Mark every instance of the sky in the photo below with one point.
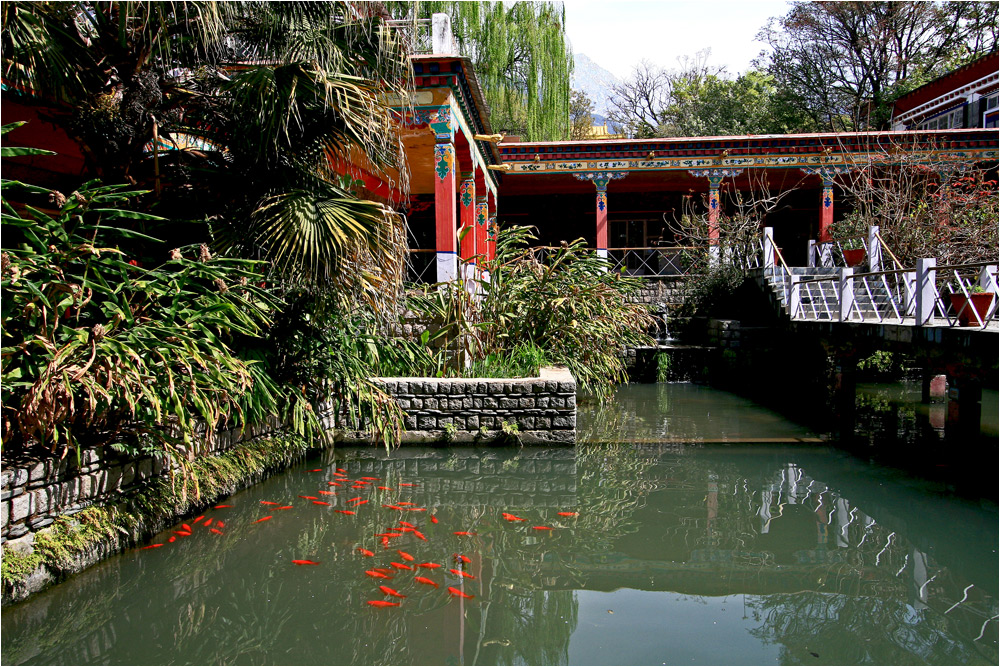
(617, 34)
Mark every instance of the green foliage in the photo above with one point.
(520, 56)
(714, 105)
(699, 99)
(96, 347)
(571, 307)
(882, 365)
(844, 63)
(581, 115)
(257, 149)
(664, 367)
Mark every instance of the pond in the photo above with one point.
(692, 527)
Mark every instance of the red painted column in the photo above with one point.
(602, 216)
(491, 227)
(714, 182)
(444, 211)
(482, 216)
(467, 215)
(826, 214)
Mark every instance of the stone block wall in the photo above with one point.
(475, 409)
(724, 333)
(36, 491)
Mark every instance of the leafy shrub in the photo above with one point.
(96, 347)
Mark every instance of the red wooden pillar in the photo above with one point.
(467, 215)
(714, 183)
(491, 227)
(482, 216)
(715, 178)
(826, 215)
(600, 179)
(444, 211)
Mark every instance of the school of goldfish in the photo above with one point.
(401, 530)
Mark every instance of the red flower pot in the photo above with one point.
(978, 302)
(854, 257)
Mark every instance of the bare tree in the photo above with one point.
(923, 205)
(846, 61)
(742, 216)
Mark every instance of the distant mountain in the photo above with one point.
(595, 81)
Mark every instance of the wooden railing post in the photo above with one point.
(845, 288)
(926, 290)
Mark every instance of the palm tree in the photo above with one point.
(264, 103)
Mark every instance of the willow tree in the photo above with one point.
(521, 56)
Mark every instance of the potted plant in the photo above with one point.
(849, 234)
(978, 302)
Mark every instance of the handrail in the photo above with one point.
(885, 246)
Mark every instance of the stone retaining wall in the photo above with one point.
(36, 491)
(476, 409)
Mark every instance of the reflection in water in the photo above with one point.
(697, 553)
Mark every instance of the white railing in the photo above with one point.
(923, 297)
(852, 251)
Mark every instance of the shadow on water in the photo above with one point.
(682, 548)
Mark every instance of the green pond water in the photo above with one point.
(706, 530)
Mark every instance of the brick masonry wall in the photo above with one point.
(475, 409)
(35, 491)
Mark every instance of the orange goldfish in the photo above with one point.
(405, 556)
(215, 530)
(382, 603)
(267, 518)
(434, 519)
(377, 575)
(401, 566)
(425, 580)
(365, 552)
(542, 528)
(389, 591)
(568, 513)
(305, 562)
(466, 533)
(463, 559)
(320, 502)
(458, 593)
(429, 566)
(267, 502)
(459, 573)
(343, 511)
(221, 506)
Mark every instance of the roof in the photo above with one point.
(964, 75)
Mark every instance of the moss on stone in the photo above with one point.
(117, 524)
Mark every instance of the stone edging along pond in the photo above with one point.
(60, 517)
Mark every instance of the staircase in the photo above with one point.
(820, 300)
